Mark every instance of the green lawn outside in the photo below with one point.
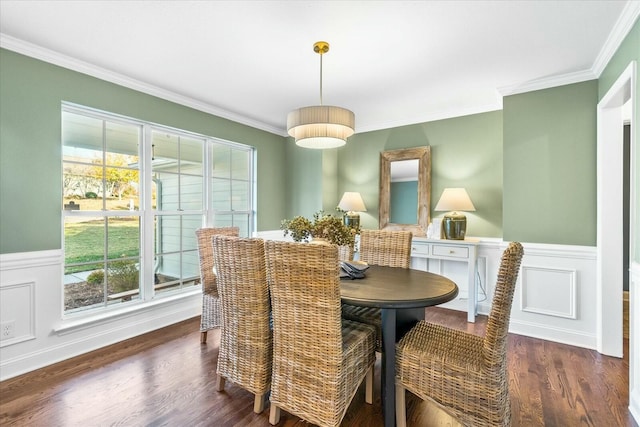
(84, 241)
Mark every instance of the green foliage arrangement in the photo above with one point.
(324, 226)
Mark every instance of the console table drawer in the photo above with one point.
(451, 251)
(417, 250)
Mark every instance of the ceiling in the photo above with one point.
(391, 62)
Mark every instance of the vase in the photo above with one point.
(319, 241)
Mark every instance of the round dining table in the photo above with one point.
(402, 295)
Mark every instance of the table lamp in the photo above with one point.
(352, 203)
(454, 223)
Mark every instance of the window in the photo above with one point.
(177, 176)
(231, 184)
(133, 195)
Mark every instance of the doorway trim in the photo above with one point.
(609, 213)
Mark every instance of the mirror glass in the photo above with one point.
(405, 190)
(403, 200)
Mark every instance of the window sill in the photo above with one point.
(75, 323)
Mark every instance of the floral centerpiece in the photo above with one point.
(324, 226)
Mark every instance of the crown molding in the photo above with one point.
(547, 82)
(621, 28)
(623, 25)
(56, 58)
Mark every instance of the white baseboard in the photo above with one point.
(559, 335)
(98, 338)
(54, 340)
(634, 404)
(31, 295)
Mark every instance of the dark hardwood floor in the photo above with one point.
(167, 378)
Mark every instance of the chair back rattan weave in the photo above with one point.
(210, 317)
(495, 339)
(345, 253)
(205, 253)
(464, 373)
(245, 337)
(318, 361)
(386, 248)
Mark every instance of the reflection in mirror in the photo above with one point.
(396, 212)
(403, 207)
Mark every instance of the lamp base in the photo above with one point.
(454, 226)
(351, 220)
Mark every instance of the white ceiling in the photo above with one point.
(391, 62)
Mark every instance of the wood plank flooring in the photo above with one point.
(167, 378)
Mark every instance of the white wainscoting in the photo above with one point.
(555, 296)
(555, 300)
(17, 305)
(31, 297)
(550, 291)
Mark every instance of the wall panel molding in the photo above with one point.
(549, 291)
(17, 304)
(44, 269)
(31, 294)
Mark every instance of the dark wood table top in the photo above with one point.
(394, 287)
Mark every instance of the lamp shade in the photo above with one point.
(321, 126)
(454, 199)
(352, 202)
(454, 224)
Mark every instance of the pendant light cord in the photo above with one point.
(321, 77)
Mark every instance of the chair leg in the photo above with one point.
(258, 403)
(401, 406)
(203, 337)
(274, 415)
(368, 395)
(220, 383)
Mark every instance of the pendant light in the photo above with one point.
(321, 126)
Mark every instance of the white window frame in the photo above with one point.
(147, 214)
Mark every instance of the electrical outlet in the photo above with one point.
(7, 330)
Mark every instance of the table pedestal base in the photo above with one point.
(395, 323)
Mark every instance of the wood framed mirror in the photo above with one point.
(417, 160)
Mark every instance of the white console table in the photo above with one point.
(453, 250)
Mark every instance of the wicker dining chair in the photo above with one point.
(464, 373)
(345, 253)
(319, 359)
(210, 317)
(385, 248)
(244, 357)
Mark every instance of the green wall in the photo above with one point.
(530, 169)
(30, 152)
(550, 165)
(304, 182)
(629, 50)
(465, 152)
